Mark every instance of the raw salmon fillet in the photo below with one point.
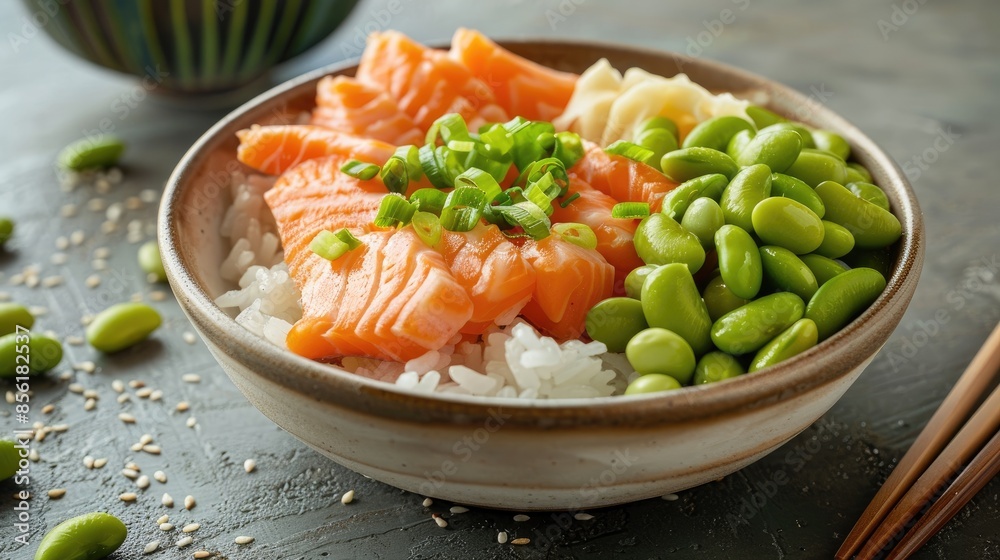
(275, 149)
(522, 87)
(621, 178)
(347, 105)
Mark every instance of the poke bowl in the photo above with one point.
(503, 449)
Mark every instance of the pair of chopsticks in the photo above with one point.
(932, 461)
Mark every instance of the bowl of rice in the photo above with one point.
(518, 420)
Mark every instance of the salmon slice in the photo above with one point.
(347, 105)
(495, 275)
(522, 87)
(621, 178)
(275, 149)
(426, 83)
(569, 280)
(614, 235)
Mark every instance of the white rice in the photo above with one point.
(511, 362)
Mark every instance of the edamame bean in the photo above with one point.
(796, 339)
(750, 327)
(657, 350)
(842, 298)
(787, 271)
(870, 192)
(788, 223)
(676, 202)
(25, 353)
(748, 188)
(9, 459)
(660, 122)
(715, 132)
(670, 300)
(814, 166)
(795, 189)
(831, 142)
(871, 226)
(866, 175)
(86, 153)
(739, 261)
(719, 299)
(652, 383)
(688, 163)
(822, 267)
(615, 321)
(635, 279)
(762, 117)
(13, 315)
(703, 218)
(122, 325)
(777, 149)
(87, 537)
(716, 366)
(837, 241)
(661, 240)
(150, 263)
(804, 132)
(738, 142)
(659, 140)
(875, 259)
(6, 230)
(853, 176)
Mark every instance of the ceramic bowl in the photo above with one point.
(527, 455)
(187, 46)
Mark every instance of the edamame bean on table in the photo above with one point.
(86, 537)
(122, 325)
(6, 230)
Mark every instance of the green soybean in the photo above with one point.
(670, 300)
(13, 315)
(716, 366)
(122, 325)
(789, 224)
(861, 170)
(738, 142)
(688, 163)
(615, 321)
(150, 262)
(747, 189)
(739, 261)
(87, 537)
(842, 298)
(719, 299)
(822, 267)
(837, 241)
(871, 226)
(657, 350)
(853, 176)
(763, 117)
(661, 240)
(703, 218)
(750, 327)
(777, 149)
(796, 339)
(831, 142)
(659, 140)
(652, 383)
(815, 166)
(636, 278)
(715, 132)
(796, 189)
(6, 229)
(876, 259)
(9, 459)
(869, 192)
(676, 202)
(39, 352)
(786, 271)
(660, 122)
(804, 132)
(87, 153)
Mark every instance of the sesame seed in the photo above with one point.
(167, 500)
(38, 310)
(428, 502)
(152, 449)
(91, 394)
(348, 497)
(92, 281)
(130, 473)
(74, 340)
(458, 509)
(521, 541)
(108, 226)
(151, 547)
(243, 540)
(191, 422)
(31, 282)
(59, 258)
(583, 517)
(95, 204)
(34, 456)
(114, 211)
(191, 378)
(47, 409)
(160, 476)
(57, 493)
(126, 417)
(156, 395)
(189, 337)
(76, 388)
(16, 279)
(166, 526)
(59, 428)
(77, 237)
(133, 203)
(133, 466)
(102, 253)
(142, 482)
(128, 497)
(157, 295)
(86, 319)
(521, 518)
(146, 438)
(669, 497)
(118, 386)
(10, 397)
(441, 522)
(202, 554)
(136, 384)
(100, 264)
(88, 366)
(147, 195)
(62, 242)
(163, 519)
(66, 375)
(191, 527)
(90, 404)
(68, 210)
(249, 465)
(51, 281)
(89, 461)
(123, 398)
(502, 537)
(186, 541)
(183, 406)
(40, 436)
(189, 502)
(99, 463)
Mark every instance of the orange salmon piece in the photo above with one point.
(621, 178)
(275, 149)
(347, 105)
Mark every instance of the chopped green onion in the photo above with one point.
(481, 180)
(428, 227)
(395, 175)
(529, 216)
(433, 166)
(346, 236)
(429, 200)
(498, 141)
(632, 151)
(410, 155)
(525, 133)
(463, 209)
(577, 234)
(537, 194)
(497, 165)
(466, 196)
(546, 141)
(450, 127)
(568, 148)
(394, 210)
(328, 245)
(566, 201)
(537, 170)
(630, 210)
(461, 145)
(359, 169)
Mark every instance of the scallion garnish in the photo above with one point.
(395, 175)
(528, 216)
(394, 210)
(329, 245)
(429, 200)
(463, 209)
(432, 166)
(577, 234)
(359, 169)
(569, 199)
(632, 151)
(630, 210)
(481, 180)
(568, 148)
(428, 227)
(346, 236)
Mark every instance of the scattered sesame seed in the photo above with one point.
(189, 337)
(186, 541)
(458, 509)
(92, 281)
(87, 366)
(583, 517)
(102, 253)
(521, 518)
(243, 540)
(202, 554)
(59, 428)
(163, 519)
(142, 482)
(191, 378)
(114, 211)
(118, 386)
(114, 175)
(191, 422)
(34, 456)
(157, 295)
(428, 502)
(100, 264)
(66, 375)
(128, 497)
(502, 537)
(669, 497)
(156, 395)
(68, 210)
(47, 409)
(76, 388)
(99, 463)
(59, 258)
(189, 502)
(441, 522)
(167, 500)
(130, 473)
(126, 417)
(86, 319)
(146, 438)
(89, 461)
(191, 527)
(95, 204)
(77, 237)
(74, 340)
(31, 281)
(133, 203)
(183, 406)
(38, 310)
(152, 449)
(108, 227)
(90, 404)
(136, 384)
(160, 476)
(249, 465)
(166, 526)
(10, 397)
(123, 398)
(51, 281)
(147, 195)
(521, 541)
(348, 497)
(144, 392)
(62, 243)
(16, 279)
(91, 394)
(151, 547)
(133, 466)
(102, 186)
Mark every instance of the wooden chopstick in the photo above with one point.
(980, 471)
(969, 440)
(942, 426)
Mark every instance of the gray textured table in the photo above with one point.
(919, 78)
